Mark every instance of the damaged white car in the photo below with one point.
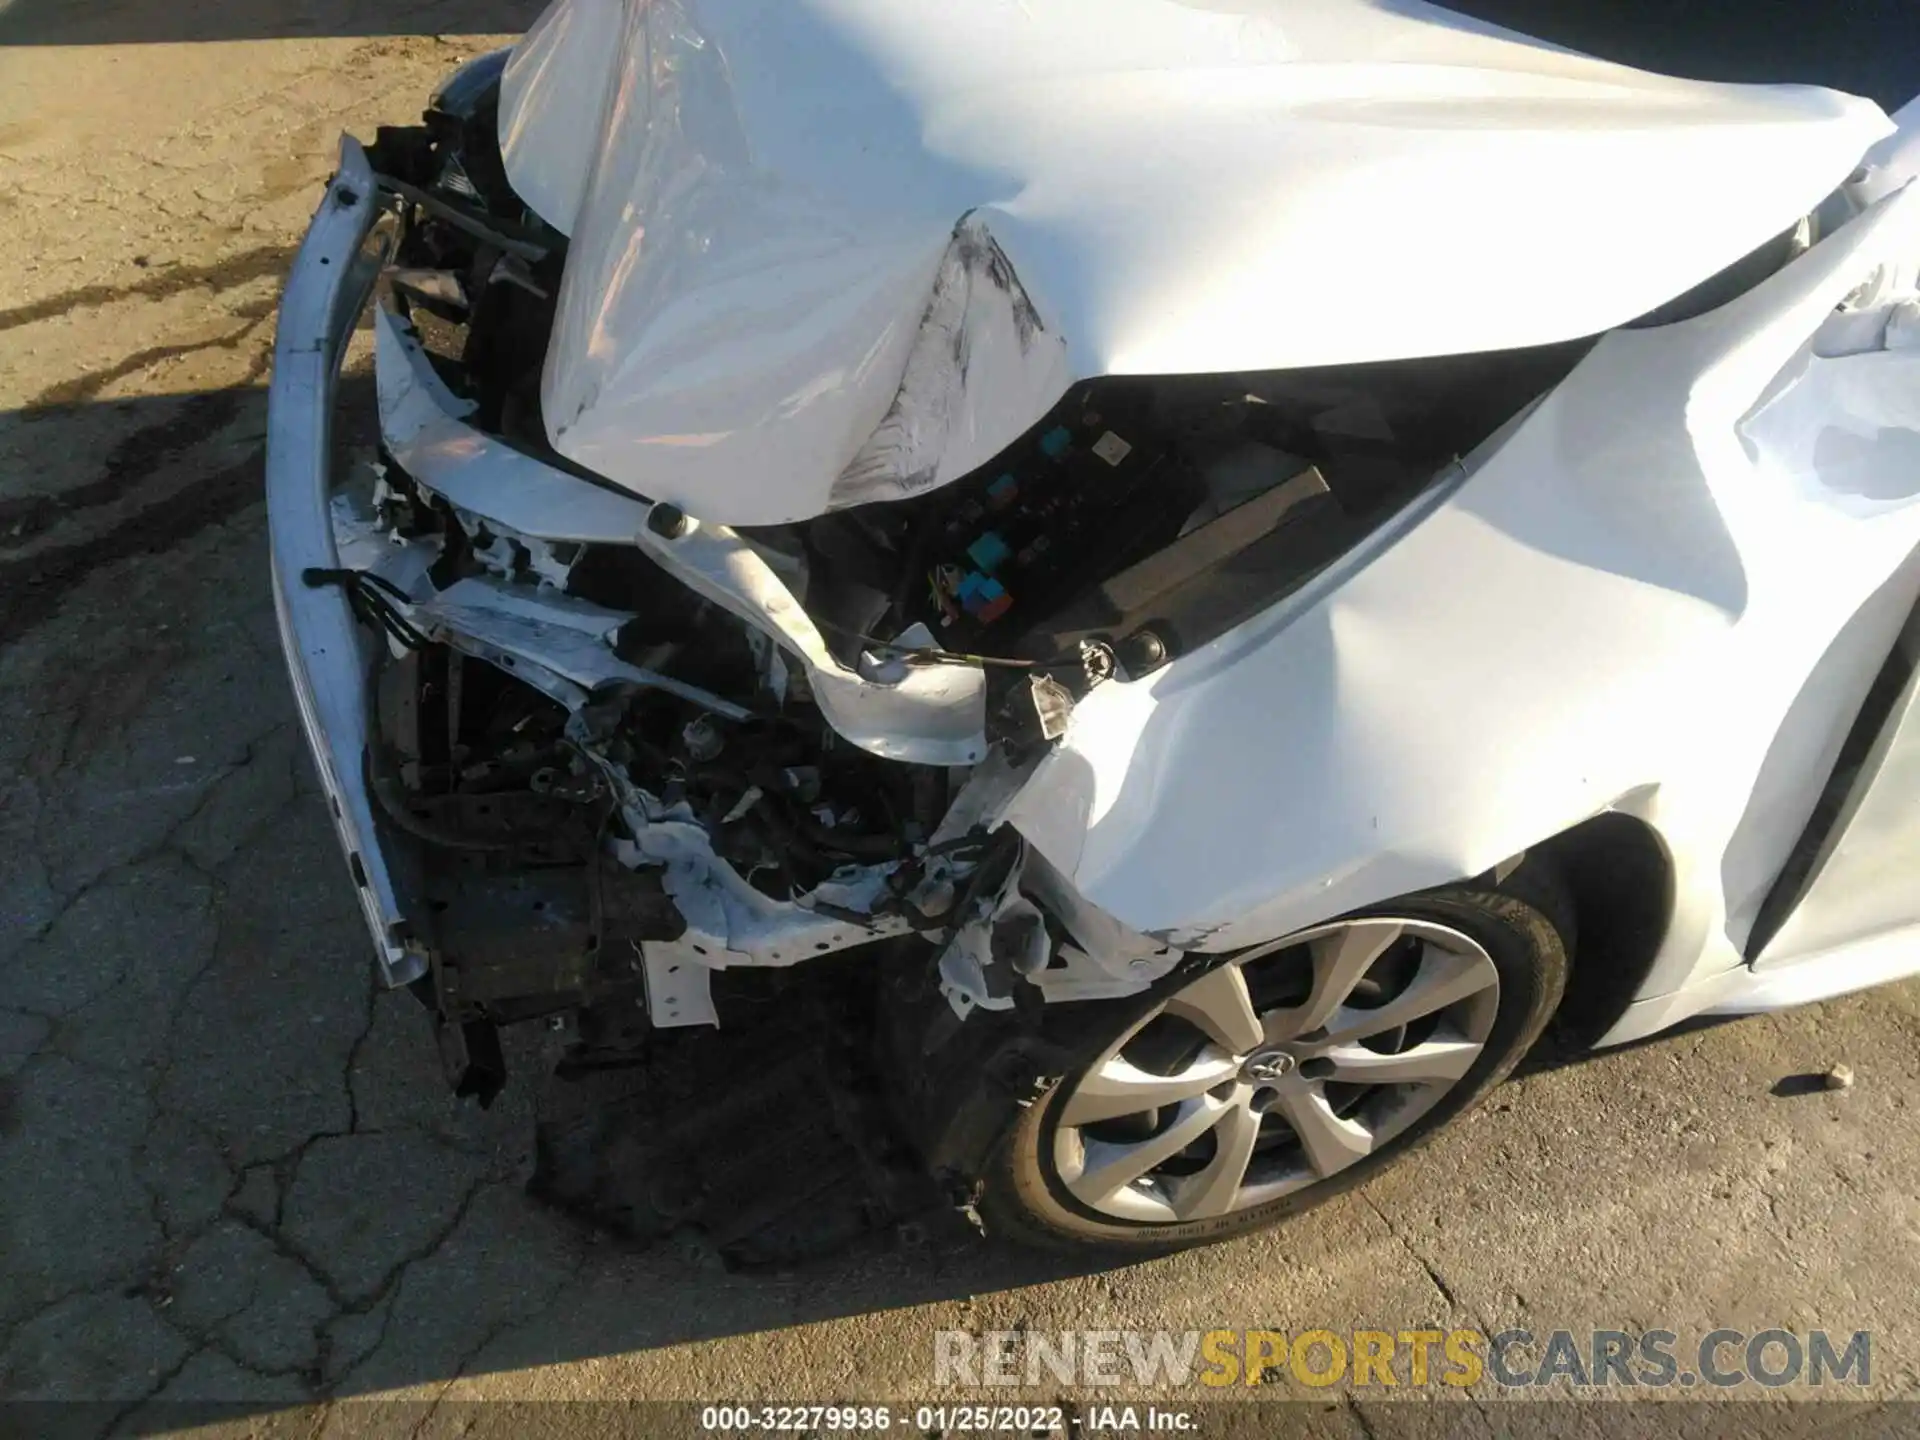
(1198, 568)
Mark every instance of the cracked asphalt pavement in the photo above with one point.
(228, 1167)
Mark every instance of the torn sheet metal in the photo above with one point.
(512, 555)
(1000, 944)
(730, 923)
(364, 541)
(1007, 939)
(560, 645)
(1107, 957)
(762, 310)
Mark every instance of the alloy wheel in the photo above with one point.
(1276, 1070)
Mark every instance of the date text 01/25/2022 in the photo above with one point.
(943, 1419)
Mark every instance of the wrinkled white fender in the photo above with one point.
(830, 251)
(1665, 589)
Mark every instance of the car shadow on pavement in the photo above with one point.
(1560, 1046)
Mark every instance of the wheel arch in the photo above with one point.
(1619, 878)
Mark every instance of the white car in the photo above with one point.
(1204, 566)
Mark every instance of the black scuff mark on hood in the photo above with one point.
(904, 455)
(980, 254)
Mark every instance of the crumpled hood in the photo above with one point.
(832, 251)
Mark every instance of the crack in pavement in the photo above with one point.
(165, 843)
(1440, 1285)
(1433, 1276)
(112, 1285)
(432, 1243)
(494, 1332)
(219, 1344)
(149, 1277)
(287, 1250)
(161, 1381)
(343, 1304)
(374, 991)
(391, 1303)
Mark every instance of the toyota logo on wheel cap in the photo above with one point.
(1268, 1066)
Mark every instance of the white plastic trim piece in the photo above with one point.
(326, 290)
(424, 425)
(679, 986)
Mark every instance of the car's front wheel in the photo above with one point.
(1247, 1089)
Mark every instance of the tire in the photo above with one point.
(1522, 929)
